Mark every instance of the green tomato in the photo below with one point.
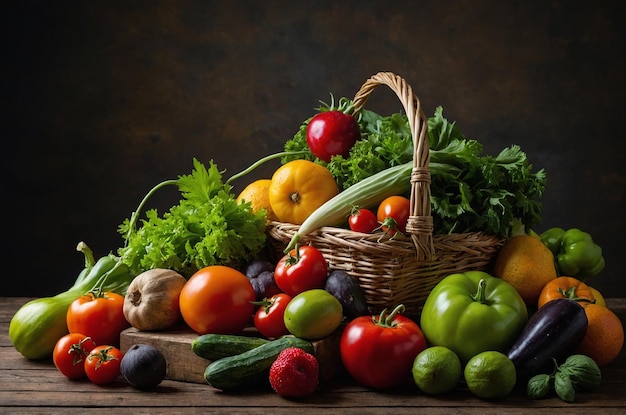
(313, 314)
(473, 312)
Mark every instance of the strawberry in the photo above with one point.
(294, 373)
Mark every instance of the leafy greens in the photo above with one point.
(470, 191)
(207, 227)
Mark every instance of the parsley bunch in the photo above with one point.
(207, 227)
(470, 191)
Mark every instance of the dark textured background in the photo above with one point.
(104, 99)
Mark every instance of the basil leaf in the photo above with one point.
(563, 387)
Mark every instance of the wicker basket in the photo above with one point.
(405, 269)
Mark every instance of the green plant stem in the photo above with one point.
(262, 161)
(135, 215)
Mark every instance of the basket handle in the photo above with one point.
(420, 223)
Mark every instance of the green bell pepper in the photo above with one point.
(575, 253)
(473, 312)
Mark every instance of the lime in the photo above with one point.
(490, 375)
(436, 370)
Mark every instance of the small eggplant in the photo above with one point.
(260, 273)
(553, 331)
(256, 267)
(349, 293)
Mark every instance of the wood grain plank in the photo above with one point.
(36, 387)
(184, 365)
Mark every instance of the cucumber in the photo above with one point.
(218, 346)
(250, 367)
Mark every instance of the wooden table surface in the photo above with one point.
(37, 387)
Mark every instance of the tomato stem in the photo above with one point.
(77, 351)
(385, 319)
(570, 294)
(293, 243)
(102, 356)
(390, 227)
(97, 290)
(291, 259)
(345, 105)
(266, 303)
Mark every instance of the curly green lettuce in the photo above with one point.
(470, 191)
(207, 227)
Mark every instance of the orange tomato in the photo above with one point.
(298, 188)
(566, 287)
(217, 299)
(598, 296)
(393, 212)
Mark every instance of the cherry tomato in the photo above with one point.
(379, 351)
(269, 318)
(363, 220)
(102, 365)
(217, 299)
(99, 315)
(332, 133)
(393, 213)
(301, 270)
(70, 352)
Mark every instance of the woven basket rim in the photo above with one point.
(403, 269)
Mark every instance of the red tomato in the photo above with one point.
(301, 270)
(393, 213)
(70, 352)
(269, 319)
(102, 365)
(363, 220)
(332, 133)
(217, 299)
(99, 315)
(378, 351)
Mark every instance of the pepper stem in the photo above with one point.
(480, 293)
(90, 260)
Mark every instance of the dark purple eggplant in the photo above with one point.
(553, 331)
(256, 267)
(349, 293)
(265, 285)
(260, 272)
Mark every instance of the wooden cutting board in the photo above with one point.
(185, 366)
